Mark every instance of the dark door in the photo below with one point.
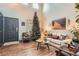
(1, 29)
(11, 27)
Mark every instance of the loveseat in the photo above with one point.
(62, 42)
(59, 39)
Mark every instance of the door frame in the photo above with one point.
(1, 15)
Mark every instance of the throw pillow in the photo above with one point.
(55, 37)
(62, 37)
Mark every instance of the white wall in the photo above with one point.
(19, 11)
(54, 11)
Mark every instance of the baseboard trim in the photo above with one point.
(10, 43)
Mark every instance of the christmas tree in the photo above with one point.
(35, 28)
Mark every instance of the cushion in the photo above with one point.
(55, 37)
(56, 41)
(62, 37)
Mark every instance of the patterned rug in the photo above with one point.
(27, 49)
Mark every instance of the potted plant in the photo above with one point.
(75, 35)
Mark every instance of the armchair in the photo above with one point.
(25, 37)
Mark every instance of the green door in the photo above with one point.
(11, 31)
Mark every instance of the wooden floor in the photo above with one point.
(26, 49)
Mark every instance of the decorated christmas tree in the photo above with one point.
(35, 28)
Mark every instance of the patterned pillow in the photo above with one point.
(62, 37)
(55, 37)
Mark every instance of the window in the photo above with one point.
(25, 3)
(35, 5)
(46, 7)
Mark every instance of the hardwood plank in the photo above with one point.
(26, 49)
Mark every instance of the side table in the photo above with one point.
(40, 42)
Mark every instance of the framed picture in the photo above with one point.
(23, 23)
(59, 23)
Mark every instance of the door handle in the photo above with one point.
(16, 29)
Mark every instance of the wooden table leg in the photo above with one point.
(48, 47)
(38, 45)
(58, 53)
